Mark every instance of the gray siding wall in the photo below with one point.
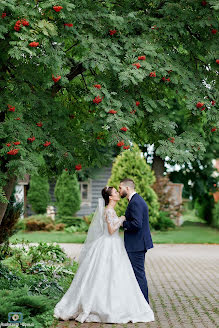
(97, 185)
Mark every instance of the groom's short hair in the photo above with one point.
(128, 182)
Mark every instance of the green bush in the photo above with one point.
(38, 194)
(204, 207)
(73, 224)
(215, 220)
(60, 227)
(35, 292)
(67, 193)
(88, 218)
(36, 223)
(19, 300)
(69, 220)
(83, 227)
(164, 222)
(130, 164)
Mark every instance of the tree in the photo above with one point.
(38, 193)
(131, 164)
(73, 75)
(200, 180)
(67, 193)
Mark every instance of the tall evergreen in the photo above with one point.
(67, 193)
(38, 194)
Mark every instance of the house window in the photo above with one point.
(85, 189)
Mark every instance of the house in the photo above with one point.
(90, 191)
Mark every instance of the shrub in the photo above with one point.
(131, 164)
(38, 194)
(21, 301)
(20, 225)
(35, 223)
(215, 220)
(67, 193)
(35, 291)
(60, 226)
(73, 224)
(164, 222)
(204, 207)
(5, 250)
(88, 218)
(26, 256)
(69, 220)
(47, 252)
(49, 227)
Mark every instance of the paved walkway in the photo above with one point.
(183, 287)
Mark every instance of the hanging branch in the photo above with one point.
(84, 81)
(72, 46)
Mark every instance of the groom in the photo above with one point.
(137, 236)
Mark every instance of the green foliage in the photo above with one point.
(176, 45)
(204, 207)
(73, 224)
(164, 222)
(11, 217)
(38, 193)
(69, 220)
(83, 227)
(35, 223)
(33, 280)
(19, 300)
(200, 179)
(131, 164)
(25, 259)
(215, 220)
(67, 193)
(3, 198)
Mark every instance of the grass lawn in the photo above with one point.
(49, 237)
(188, 233)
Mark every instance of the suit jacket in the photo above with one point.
(137, 235)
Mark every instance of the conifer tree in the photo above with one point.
(38, 194)
(67, 193)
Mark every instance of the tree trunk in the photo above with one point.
(8, 189)
(158, 166)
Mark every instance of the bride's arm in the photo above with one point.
(113, 222)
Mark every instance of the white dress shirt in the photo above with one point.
(130, 196)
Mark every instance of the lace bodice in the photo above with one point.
(111, 217)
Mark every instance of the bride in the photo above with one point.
(104, 288)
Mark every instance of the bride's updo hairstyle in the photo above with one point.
(106, 192)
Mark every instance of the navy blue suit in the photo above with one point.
(137, 238)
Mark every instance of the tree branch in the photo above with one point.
(72, 46)
(75, 71)
(197, 36)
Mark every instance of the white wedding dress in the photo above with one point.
(104, 288)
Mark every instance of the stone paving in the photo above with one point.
(183, 287)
